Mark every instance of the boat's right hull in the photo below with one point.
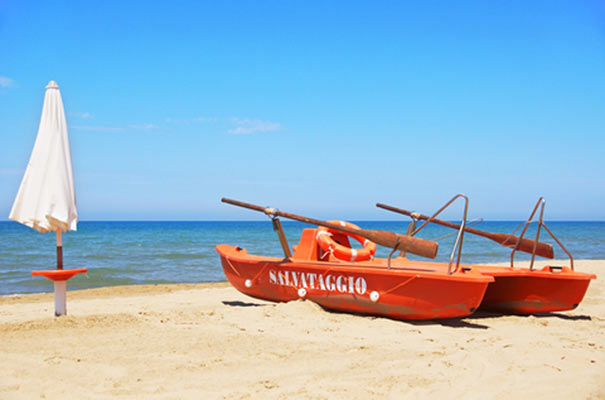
(521, 291)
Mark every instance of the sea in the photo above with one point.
(136, 253)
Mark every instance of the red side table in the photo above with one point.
(60, 278)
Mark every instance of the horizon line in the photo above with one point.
(294, 221)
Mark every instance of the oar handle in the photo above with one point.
(421, 247)
(244, 205)
(526, 245)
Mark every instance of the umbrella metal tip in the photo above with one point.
(52, 85)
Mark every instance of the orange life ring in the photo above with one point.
(325, 241)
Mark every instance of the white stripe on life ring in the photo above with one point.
(353, 254)
(319, 233)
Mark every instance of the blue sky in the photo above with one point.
(321, 108)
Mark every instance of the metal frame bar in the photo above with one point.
(541, 203)
(459, 237)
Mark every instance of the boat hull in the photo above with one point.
(523, 291)
(365, 287)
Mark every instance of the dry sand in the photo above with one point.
(209, 341)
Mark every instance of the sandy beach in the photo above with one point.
(210, 341)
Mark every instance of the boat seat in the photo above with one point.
(307, 248)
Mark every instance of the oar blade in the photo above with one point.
(409, 244)
(525, 245)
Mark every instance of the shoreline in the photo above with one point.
(119, 290)
(208, 340)
(161, 287)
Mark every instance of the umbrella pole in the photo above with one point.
(59, 250)
(60, 298)
(60, 286)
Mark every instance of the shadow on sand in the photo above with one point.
(564, 316)
(486, 314)
(450, 322)
(242, 304)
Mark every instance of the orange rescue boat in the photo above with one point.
(326, 270)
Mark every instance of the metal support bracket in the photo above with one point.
(282, 237)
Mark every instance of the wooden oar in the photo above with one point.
(421, 247)
(526, 245)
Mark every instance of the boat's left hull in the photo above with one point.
(414, 294)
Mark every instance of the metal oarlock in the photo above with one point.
(391, 256)
(541, 203)
(411, 228)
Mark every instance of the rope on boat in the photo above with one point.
(411, 278)
(232, 267)
(260, 272)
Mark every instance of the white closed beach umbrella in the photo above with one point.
(46, 200)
